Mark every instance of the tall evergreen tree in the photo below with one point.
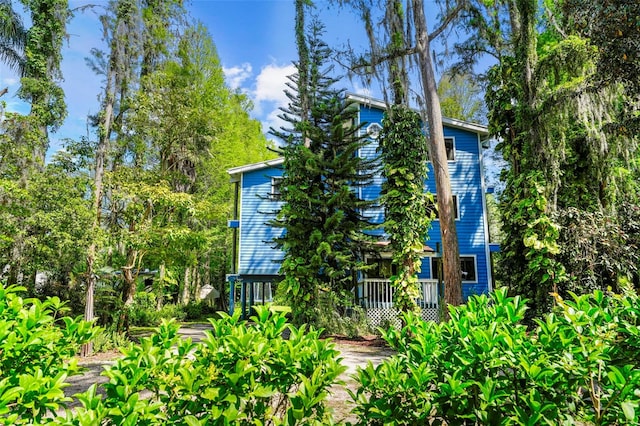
(325, 231)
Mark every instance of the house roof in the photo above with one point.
(451, 122)
(235, 172)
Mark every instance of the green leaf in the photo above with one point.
(628, 408)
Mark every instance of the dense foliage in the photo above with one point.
(239, 373)
(324, 238)
(562, 99)
(37, 349)
(484, 366)
(142, 203)
(404, 156)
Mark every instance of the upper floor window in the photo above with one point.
(276, 183)
(434, 207)
(450, 146)
(451, 149)
(467, 268)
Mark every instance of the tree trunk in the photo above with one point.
(101, 152)
(438, 152)
(197, 283)
(186, 286)
(160, 286)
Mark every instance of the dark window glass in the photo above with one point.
(451, 150)
(434, 207)
(467, 266)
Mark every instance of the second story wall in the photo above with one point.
(467, 185)
(257, 256)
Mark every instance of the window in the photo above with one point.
(467, 267)
(434, 207)
(262, 292)
(451, 149)
(384, 268)
(373, 130)
(275, 188)
(449, 145)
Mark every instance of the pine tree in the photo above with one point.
(325, 231)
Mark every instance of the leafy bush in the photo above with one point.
(144, 311)
(199, 310)
(241, 374)
(595, 249)
(170, 311)
(580, 363)
(337, 315)
(109, 340)
(37, 350)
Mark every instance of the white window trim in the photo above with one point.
(275, 196)
(453, 143)
(373, 130)
(475, 265)
(453, 138)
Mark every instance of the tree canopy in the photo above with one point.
(148, 190)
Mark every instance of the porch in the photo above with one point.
(375, 296)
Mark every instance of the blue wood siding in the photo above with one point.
(370, 115)
(466, 183)
(258, 257)
(256, 253)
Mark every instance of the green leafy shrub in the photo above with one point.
(37, 350)
(337, 315)
(144, 311)
(169, 311)
(581, 363)
(241, 374)
(199, 311)
(109, 340)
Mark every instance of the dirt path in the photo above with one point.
(353, 355)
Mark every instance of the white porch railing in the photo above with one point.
(377, 293)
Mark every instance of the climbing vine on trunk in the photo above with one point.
(404, 157)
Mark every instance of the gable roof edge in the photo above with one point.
(235, 171)
(452, 122)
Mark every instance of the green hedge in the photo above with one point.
(579, 364)
(37, 350)
(240, 374)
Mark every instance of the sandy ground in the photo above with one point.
(353, 354)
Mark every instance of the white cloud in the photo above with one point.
(270, 83)
(268, 95)
(237, 75)
(10, 81)
(273, 121)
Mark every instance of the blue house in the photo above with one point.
(256, 261)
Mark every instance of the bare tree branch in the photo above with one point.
(447, 20)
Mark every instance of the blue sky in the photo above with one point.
(255, 43)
